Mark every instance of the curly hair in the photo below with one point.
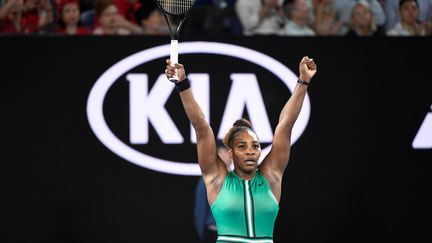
(238, 126)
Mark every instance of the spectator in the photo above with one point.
(362, 22)
(110, 22)
(408, 24)
(326, 19)
(25, 16)
(344, 9)
(260, 17)
(69, 18)
(392, 13)
(151, 20)
(298, 20)
(10, 16)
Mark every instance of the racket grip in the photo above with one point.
(174, 51)
(174, 57)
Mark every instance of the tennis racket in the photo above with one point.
(175, 12)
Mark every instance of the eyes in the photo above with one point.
(243, 146)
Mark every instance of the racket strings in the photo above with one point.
(176, 7)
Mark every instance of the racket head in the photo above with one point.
(175, 7)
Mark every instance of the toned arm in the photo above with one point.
(274, 164)
(212, 167)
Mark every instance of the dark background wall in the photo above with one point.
(353, 175)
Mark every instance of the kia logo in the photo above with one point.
(146, 106)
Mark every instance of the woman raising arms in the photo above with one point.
(244, 202)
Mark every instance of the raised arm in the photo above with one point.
(212, 166)
(276, 161)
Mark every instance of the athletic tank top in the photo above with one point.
(245, 210)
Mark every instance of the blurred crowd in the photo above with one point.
(220, 17)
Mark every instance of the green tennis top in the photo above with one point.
(245, 210)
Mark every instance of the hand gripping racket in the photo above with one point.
(175, 12)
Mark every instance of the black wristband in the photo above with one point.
(302, 82)
(182, 85)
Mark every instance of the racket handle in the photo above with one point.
(174, 51)
(174, 57)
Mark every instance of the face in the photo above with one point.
(361, 16)
(108, 17)
(301, 12)
(70, 14)
(245, 152)
(329, 13)
(409, 12)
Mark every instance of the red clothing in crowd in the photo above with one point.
(29, 23)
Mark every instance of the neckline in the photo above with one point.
(256, 173)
